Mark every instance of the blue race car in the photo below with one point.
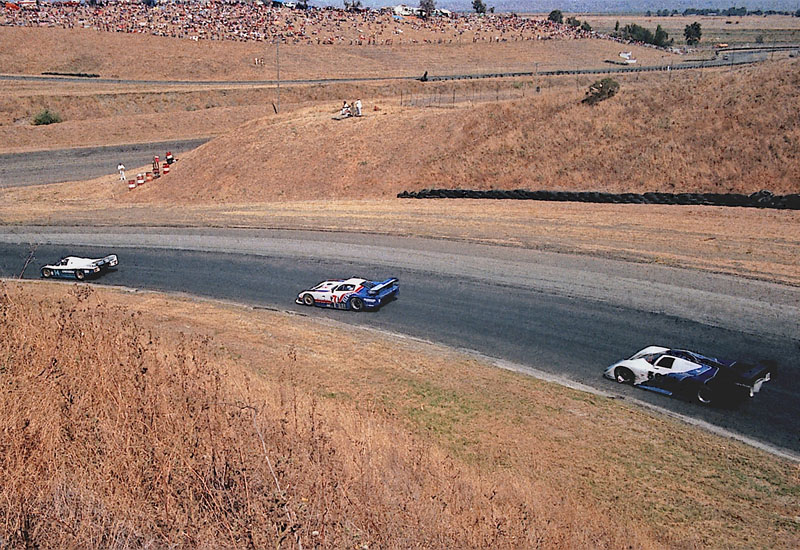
(692, 375)
(354, 294)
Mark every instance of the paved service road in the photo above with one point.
(566, 315)
(83, 163)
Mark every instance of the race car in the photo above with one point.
(354, 294)
(691, 375)
(73, 267)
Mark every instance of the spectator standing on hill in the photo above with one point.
(358, 107)
(121, 169)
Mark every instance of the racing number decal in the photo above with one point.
(340, 302)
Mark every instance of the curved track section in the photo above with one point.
(83, 163)
(566, 315)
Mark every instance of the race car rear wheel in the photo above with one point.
(80, 275)
(704, 395)
(357, 304)
(623, 375)
(308, 300)
(47, 273)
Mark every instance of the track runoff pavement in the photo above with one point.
(83, 163)
(566, 316)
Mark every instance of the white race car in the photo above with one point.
(354, 294)
(691, 375)
(73, 267)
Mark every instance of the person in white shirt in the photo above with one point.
(358, 107)
(121, 168)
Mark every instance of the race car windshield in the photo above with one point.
(696, 358)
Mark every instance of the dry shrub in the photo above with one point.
(116, 435)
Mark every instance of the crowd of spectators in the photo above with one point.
(257, 21)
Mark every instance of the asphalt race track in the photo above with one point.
(84, 163)
(566, 315)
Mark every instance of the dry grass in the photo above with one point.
(730, 30)
(721, 132)
(129, 56)
(137, 420)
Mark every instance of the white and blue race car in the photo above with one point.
(354, 294)
(691, 375)
(73, 267)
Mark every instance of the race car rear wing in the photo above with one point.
(382, 286)
(749, 374)
(753, 377)
(110, 261)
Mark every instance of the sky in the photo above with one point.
(584, 6)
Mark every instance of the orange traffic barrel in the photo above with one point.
(149, 176)
(139, 179)
(131, 184)
(166, 168)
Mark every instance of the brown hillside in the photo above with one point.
(719, 132)
(139, 56)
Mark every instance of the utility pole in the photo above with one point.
(278, 65)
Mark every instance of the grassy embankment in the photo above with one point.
(136, 419)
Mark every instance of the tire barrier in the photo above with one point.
(760, 199)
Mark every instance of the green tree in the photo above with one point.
(693, 33)
(556, 16)
(661, 37)
(616, 27)
(585, 26)
(479, 6)
(427, 7)
(573, 22)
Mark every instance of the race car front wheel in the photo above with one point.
(308, 300)
(47, 273)
(623, 375)
(356, 304)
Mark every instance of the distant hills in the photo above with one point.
(585, 6)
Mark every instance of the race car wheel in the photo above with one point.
(704, 395)
(623, 375)
(308, 300)
(47, 273)
(80, 275)
(357, 304)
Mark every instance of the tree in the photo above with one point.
(479, 6)
(692, 33)
(353, 5)
(585, 26)
(661, 37)
(427, 7)
(556, 16)
(573, 22)
(616, 27)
